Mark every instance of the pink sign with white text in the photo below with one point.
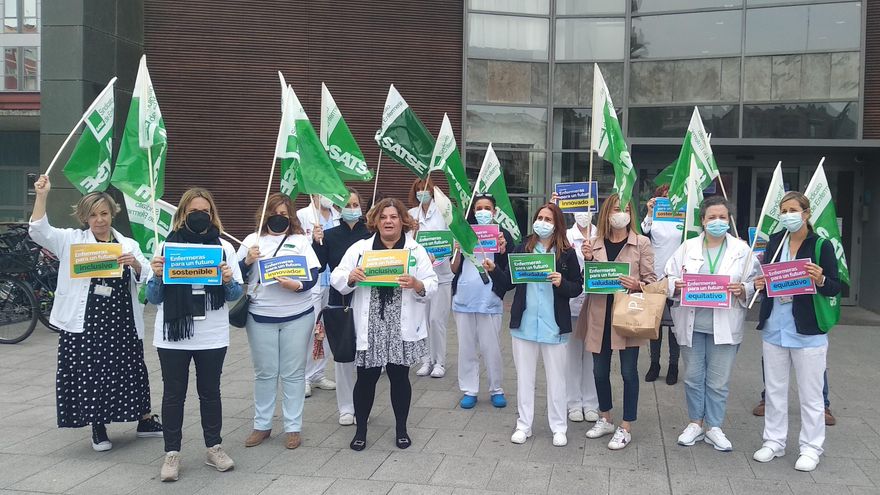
(705, 291)
(788, 278)
(488, 237)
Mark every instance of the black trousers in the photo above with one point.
(365, 393)
(175, 377)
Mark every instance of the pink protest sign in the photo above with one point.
(488, 236)
(788, 278)
(705, 291)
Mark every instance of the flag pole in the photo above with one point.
(79, 123)
(376, 179)
(153, 206)
(772, 260)
(227, 234)
(317, 215)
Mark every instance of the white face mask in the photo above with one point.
(583, 219)
(619, 220)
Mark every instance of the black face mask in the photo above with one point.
(198, 222)
(278, 223)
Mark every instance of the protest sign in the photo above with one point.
(663, 211)
(603, 277)
(95, 260)
(384, 266)
(705, 291)
(761, 244)
(788, 278)
(195, 264)
(488, 237)
(294, 267)
(574, 197)
(531, 267)
(436, 242)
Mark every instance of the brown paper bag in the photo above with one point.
(638, 315)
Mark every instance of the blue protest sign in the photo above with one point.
(195, 264)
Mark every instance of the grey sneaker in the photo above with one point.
(218, 459)
(171, 466)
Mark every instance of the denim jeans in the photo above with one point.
(629, 360)
(707, 378)
(279, 350)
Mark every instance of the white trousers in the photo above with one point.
(345, 378)
(580, 384)
(315, 367)
(809, 370)
(438, 318)
(525, 357)
(478, 334)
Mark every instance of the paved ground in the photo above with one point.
(454, 451)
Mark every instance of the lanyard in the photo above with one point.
(713, 264)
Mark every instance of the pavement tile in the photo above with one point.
(351, 464)
(292, 485)
(840, 470)
(303, 461)
(411, 489)
(499, 446)
(578, 479)
(361, 487)
(408, 467)
(465, 472)
(16, 467)
(521, 477)
(62, 476)
(453, 442)
(683, 484)
(446, 419)
(628, 482)
(742, 486)
(119, 479)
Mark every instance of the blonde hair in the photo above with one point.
(603, 224)
(798, 196)
(92, 201)
(196, 192)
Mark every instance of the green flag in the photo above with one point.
(665, 175)
(696, 145)
(446, 158)
(606, 138)
(339, 142)
(461, 230)
(823, 218)
(491, 180)
(403, 137)
(298, 145)
(140, 217)
(144, 131)
(89, 166)
(768, 222)
(693, 227)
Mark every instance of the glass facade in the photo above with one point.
(20, 45)
(757, 69)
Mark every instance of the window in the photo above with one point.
(513, 6)
(581, 7)
(680, 81)
(573, 83)
(803, 28)
(501, 81)
(571, 128)
(506, 127)
(575, 167)
(19, 16)
(703, 34)
(508, 37)
(523, 170)
(809, 76)
(837, 120)
(589, 39)
(646, 6)
(719, 120)
(21, 69)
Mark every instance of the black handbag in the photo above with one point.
(239, 312)
(339, 330)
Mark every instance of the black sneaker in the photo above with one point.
(149, 428)
(100, 441)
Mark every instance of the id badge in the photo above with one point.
(199, 300)
(784, 299)
(103, 290)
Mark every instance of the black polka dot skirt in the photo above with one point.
(102, 377)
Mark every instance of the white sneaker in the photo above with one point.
(600, 429)
(716, 438)
(346, 419)
(325, 384)
(691, 435)
(559, 440)
(806, 463)
(591, 415)
(576, 415)
(425, 370)
(520, 437)
(171, 467)
(766, 454)
(438, 372)
(308, 390)
(621, 439)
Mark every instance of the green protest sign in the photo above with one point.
(531, 267)
(436, 242)
(603, 277)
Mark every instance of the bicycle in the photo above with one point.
(28, 278)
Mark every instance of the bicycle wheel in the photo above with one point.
(44, 281)
(18, 310)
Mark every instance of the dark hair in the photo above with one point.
(407, 222)
(471, 217)
(715, 201)
(276, 200)
(661, 191)
(560, 240)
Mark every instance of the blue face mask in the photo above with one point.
(542, 228)
(423, 197)
(717, 227)
(484, 217)
(351, 214)
(792, 221)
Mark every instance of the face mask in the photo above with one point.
(583, 219)
(792, 221)
(278, 223)
(198, 221)
(326, 203)
(484, 217)
(424, 197)
(351, 214)
(542, 228)
(717, 227)
(619, 220)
